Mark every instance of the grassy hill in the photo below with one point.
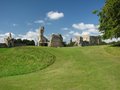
(22, 60)
(44, 68)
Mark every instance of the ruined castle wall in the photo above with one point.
(56, 41)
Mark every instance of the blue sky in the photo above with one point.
(68, 17)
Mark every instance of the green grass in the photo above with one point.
(22, 60)
(77, 68)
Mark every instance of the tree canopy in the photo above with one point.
(24, 42)
(109, 18)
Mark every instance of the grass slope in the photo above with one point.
(22, 60)
(79, 68)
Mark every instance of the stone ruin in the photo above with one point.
(78, 41)
(56, 40)
(9, 41)
(42, 41)
(87, 40)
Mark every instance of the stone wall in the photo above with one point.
(79, 41)
(87, 40)
(56, 40)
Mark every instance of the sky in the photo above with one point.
(71, 18)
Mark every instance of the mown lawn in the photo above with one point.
(22, 60)
(45, 68)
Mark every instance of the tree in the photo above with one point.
(109, 18)
(71, 43)
(19, 42)
(28, 42)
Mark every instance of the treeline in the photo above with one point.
(20, 42)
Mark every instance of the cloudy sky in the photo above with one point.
(68, 17)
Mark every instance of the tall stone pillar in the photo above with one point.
(41, 37)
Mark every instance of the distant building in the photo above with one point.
(87, 40)
(56, 40)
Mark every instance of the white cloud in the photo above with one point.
(30, 35)
(67, 35)
(43, 22)
(6, 35)
(71, 32)
(111, 40)
(82, 26)
(85, 33)
(64, 37)
(87, 28)
(76, 34)
(55, 15)
(65, 29)
(39, 21)
(92, 30)
(14, 25)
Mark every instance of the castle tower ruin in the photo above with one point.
(43, 41)
(9, 41)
